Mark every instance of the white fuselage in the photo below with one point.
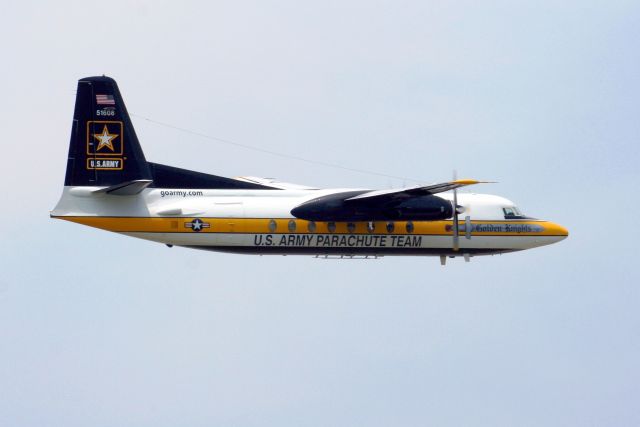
(260, 222)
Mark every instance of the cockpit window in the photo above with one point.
(512, 212)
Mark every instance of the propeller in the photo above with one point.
(456, 226)
(457, 210)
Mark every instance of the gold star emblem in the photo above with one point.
(105, 139)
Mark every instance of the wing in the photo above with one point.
(411, 203)
(404, 193)
(272, 182)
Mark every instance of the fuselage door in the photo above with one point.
(228, 215)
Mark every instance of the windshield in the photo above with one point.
(512, 212)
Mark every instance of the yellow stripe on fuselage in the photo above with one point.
(261, 226)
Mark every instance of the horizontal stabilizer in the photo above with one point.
(129, 188)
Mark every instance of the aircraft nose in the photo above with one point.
(557, 230)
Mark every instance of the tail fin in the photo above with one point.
(104, 149)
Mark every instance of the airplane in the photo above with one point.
(111, 186)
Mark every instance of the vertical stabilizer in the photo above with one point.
(104, 149)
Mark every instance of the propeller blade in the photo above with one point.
(456, 228)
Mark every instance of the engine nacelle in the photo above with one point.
(335, 207)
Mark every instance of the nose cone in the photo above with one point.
(557, 230)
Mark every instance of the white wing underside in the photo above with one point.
(272, 182)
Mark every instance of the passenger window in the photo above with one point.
(292, 226)
(331, 227)
(409, 227)
(371, 226)
(390, 227)
(273, 225)
(351, 227)
(311, 226)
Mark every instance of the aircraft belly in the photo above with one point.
(341, 243)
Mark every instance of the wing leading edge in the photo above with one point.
(421, 190)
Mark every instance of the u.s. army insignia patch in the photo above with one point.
(105, 138)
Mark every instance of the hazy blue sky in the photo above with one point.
(103, 330)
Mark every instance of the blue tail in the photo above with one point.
(104, 149)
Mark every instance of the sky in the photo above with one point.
(543, 97)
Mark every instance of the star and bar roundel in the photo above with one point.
(197, 225)
(105, 145)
